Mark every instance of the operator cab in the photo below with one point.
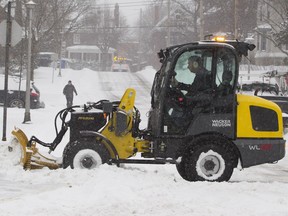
(179, 105)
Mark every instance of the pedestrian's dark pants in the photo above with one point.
(69, 101)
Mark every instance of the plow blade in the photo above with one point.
(30, 157)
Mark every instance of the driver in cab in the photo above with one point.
(202, 80)
(195, 98)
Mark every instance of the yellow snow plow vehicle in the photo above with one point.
(206, 132)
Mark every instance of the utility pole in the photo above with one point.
(116, 15)
(236, 24)
(30, 6)
(201, 20)
(139, 42)
(61, 53)
(7, 54)
(168, 23)
(156, 14)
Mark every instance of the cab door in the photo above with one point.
(220, 115)
(211, 108)
(184, 93)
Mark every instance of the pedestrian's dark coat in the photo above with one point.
(68, 91)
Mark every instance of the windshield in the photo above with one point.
(195, 68)
(225, 68)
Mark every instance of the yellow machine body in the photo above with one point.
(125, 145)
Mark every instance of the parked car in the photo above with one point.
(44, 59)
(269, 92)
(16, 98)
(120, 67)
(263, 87)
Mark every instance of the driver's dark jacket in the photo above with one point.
(201, 83)
(198, 93)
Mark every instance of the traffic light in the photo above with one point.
(116, 15)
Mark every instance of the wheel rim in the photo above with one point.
(87, 159)
(16, 103)
(210, 165)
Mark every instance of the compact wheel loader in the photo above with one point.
(205, 133)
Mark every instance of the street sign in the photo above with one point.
(16, 33)
(119, 58)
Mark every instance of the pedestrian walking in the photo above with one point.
(68, 91)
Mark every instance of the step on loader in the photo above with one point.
(206, 129)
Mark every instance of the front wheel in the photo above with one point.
(211, 161)
(85, 154)
(16, 103)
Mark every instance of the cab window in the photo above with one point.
(225, 69)
(183, 74)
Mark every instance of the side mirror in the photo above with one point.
(251, 47)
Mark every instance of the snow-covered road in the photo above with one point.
(131, 189)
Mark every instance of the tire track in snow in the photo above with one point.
(115, 83)
(143, 98)
(112, 85)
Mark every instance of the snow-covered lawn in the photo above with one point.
(130, 189)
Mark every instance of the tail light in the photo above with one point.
(34, 94)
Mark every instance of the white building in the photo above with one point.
(88, 53)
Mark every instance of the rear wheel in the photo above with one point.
(181, 167)
(210, 160)
(16, 103)
(85, 154)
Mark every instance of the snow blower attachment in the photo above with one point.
(30, 157)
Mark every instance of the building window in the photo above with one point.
(261, 14)
(258, 42)
(90, 57)
(76, 56)
(263, 43)
(76, 38)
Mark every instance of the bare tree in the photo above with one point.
(54, 17)
(51, 20)
(276, 19)
(220, 16)
(105, 31)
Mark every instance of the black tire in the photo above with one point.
(16, 103)
(211, 159)
(85, 154)
(181, 167)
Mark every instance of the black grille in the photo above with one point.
(85, 122)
